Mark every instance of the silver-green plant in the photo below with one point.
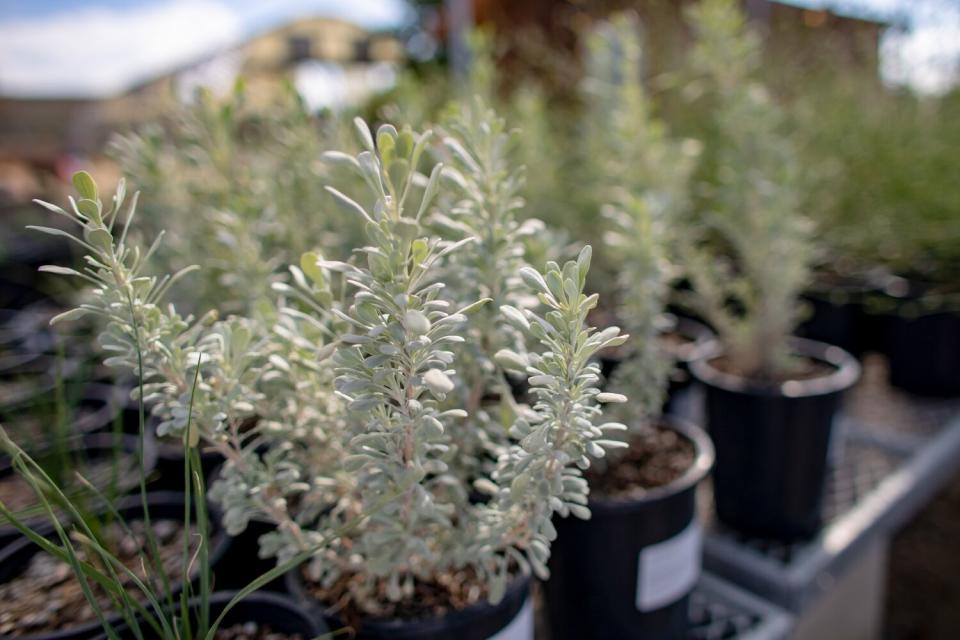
(483, 203)
(350, 397)
(237, 187)
(748, 277)
(641, 179)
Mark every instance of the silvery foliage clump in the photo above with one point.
(747, 282)
(641, 180)
(483, 203)
(129, 304)
(238, 188)
(348, 403)
(151, 339)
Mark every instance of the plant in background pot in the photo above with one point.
(607, 577)
(128, 569)
(922, 340)
(900, 270)
(237, 188)
(771, 399)
(347, 407)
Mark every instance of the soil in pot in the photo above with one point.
(628, 571)
(773, 439)
(656, 457)
(32, 581)
(451, 607)
(46, 597)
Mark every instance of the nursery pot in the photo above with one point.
(29, 380)
(686, 338)
(923, 341)
(89, 448)
(273, 610)
(840, 315)
(627, 572)
(510, 619)
(693, 335)
(772, 441)
(16, 556)
(27, 329)
(171, 462)
(242, 563)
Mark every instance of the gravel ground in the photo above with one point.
(923, 583)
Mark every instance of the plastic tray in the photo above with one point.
(893, 453)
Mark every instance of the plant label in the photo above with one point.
(521, 627)
(668, 570)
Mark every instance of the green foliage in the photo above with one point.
(748, 278)
(889, 195)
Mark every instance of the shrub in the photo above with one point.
(351, 402)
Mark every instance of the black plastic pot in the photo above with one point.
(170, 463)
(512, 616)
(27, 329)
(841, 315)
(86, 448)
(772, 441)
(697, 335)
(923, 339)
(274, 610)
(29, 384)
(15, 557)
(924, 353)
(627, 572)
(243, 563)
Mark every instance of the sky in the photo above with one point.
(86, 48)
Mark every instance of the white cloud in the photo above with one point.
(925, 58)
(98, 52)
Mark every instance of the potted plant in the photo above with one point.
(236, 187)
(41, 598)
(344, 408)
(771, 399)
(889, 214)
(127, 570)
(607, 573)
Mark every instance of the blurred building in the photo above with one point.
(542, 37)
(332, 63)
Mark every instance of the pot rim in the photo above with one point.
(219, 599)
(87, 440)
(703, 460)
(846, 372)
(518, 586)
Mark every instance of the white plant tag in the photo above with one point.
(521, 627)
(668, 570)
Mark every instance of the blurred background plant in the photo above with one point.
(238, 191)
(751, 257)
